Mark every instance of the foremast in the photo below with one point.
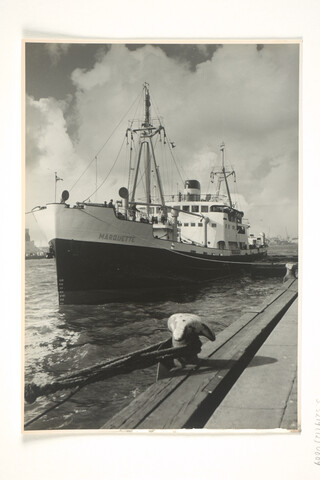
(146, 151)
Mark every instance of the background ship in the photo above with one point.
(117, 251)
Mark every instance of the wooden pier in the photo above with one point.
(246, 378)
(265, 395)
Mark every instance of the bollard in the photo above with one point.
(186, 329)
(291, 272)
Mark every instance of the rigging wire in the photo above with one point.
(237, 194)
(141, 180)
(161, 148)
(131, 160)
(211, 179)
(132, 142)
(104, 144)
(105, 179)
(31, 211)
(157, 111)
(174, 160)
(167, 140)
(139, 105)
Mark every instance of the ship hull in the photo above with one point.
(101, 258)
(95, 273)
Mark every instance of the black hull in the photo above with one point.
(96, 273)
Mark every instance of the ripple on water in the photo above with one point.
(61, 340)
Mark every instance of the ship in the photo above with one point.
(127, 249)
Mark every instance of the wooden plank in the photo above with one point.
(182, 408)
(130, 416)
(155, 394)
(262, 397)
(156, 398)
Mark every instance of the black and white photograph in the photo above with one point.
(161, 236)
(160, 178)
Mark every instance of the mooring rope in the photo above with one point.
(45, 412)
(138, 359)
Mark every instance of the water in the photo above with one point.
(60, 340)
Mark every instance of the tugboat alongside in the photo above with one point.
(108, 252)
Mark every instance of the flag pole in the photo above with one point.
(56, 179)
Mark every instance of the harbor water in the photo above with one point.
(63, 339)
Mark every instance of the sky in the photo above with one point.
(245, 95)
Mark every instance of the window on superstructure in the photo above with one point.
(194, 208)
(192, 224)
(213, 225)
(186, 224)
(200, 224)
(204, 208)
(185, 208)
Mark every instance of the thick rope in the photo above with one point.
(45, 412)
(136, 360)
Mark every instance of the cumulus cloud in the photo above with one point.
(56, 51)
(48, 148)
(240, 94)
(189, 54)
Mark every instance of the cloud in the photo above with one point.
(56, 51)
(240, 94)
(263, 167)
(189, 54)
(48, 147)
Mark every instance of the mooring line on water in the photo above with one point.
(139, 359)
(124, 364)
(113, 361)
(51, 408)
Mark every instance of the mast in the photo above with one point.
(222, 148)
(146, 134)
(148, 177)
(147, 105)
(147, 131)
